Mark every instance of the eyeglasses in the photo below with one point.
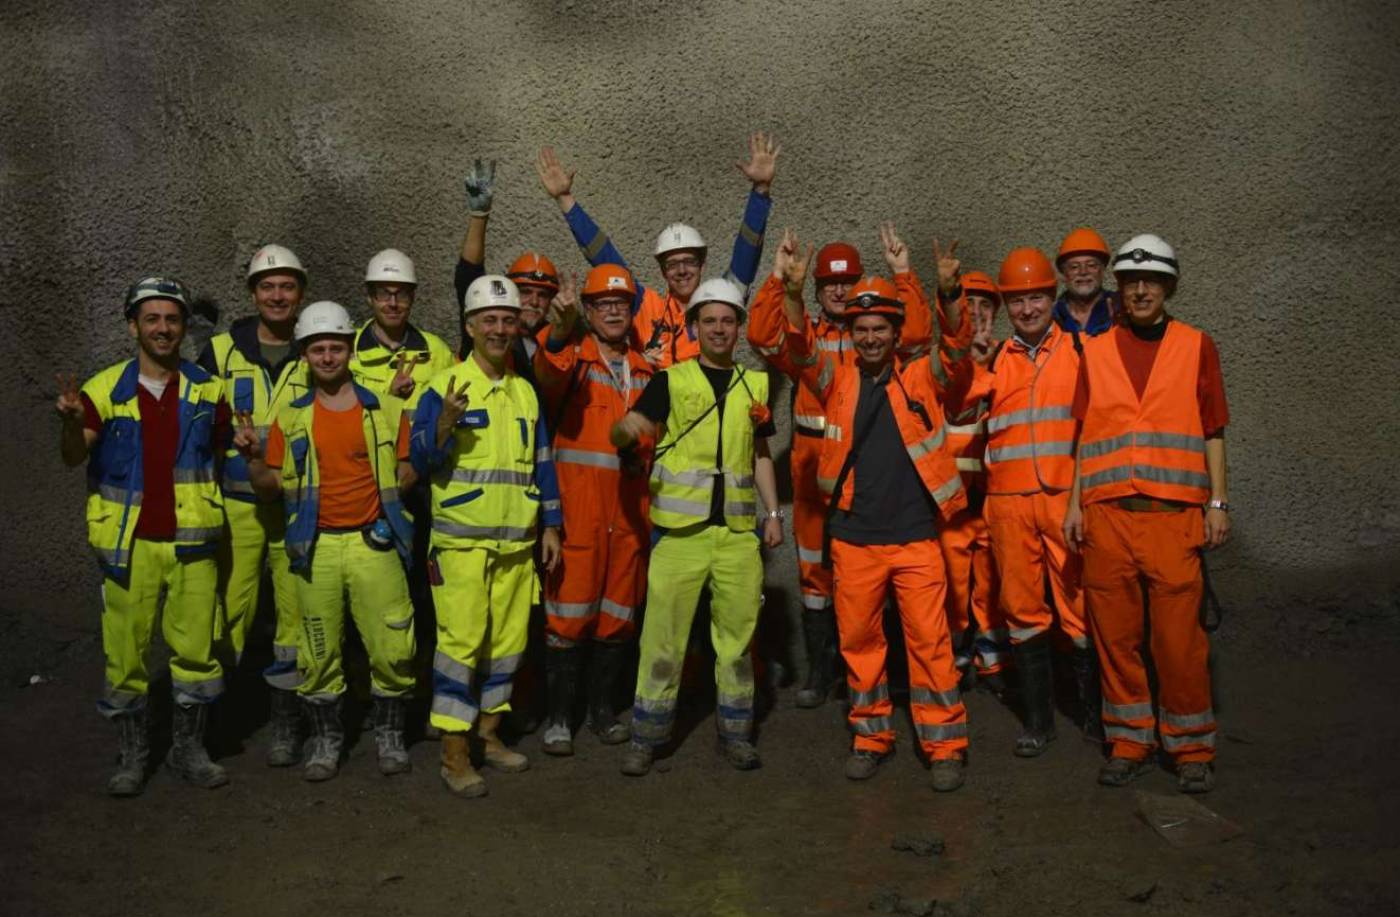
(606, 306)
(676, 264)
(384, 297)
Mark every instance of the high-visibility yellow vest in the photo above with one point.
(486, 492)
(251, 389)
(374, 365)
(683, 476)
(301, 472)
(115, 470)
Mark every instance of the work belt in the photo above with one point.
(1149, 505)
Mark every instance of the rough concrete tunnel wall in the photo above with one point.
(1258, 137)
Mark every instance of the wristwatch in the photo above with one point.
(1218, 504)
(776, 514)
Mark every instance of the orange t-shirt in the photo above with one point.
(349, 495)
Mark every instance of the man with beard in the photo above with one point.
(1085, 306)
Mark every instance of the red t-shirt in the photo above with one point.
(1139, 351)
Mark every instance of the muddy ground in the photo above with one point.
(1307, 767)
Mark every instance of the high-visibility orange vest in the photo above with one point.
(967, 441)
(1154, 445)
(1030, 423)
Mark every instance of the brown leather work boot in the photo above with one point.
(457, 771)
(494, 751)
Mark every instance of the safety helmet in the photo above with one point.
(391, 266)
(1083, 241)
(838, 261)
(275, 258)
(491, 291)
(1146, 252)
(156, 287)
(609, 278)
(534, 270)
(716, 289)
(324, 317)
(873, 296)
(979, 282)
(1026, 269)
(679, 237)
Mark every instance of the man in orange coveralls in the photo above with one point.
(590, 378)
(890, 477)
(838, 267)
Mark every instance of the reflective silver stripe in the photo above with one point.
(808, 556)
(684, 507)
(705, 477)
(824, 375)
(835, 433)
(613, 609)
(735, 701)
(872, 725)
(1030, 450)
(544, 454)
(940, 732)
(1022, 634)
(551, 506)
(1098, 447)
(928, 444)
(196, 692)
(1128, 733)
(600, 241)
(569, 609)
(968, 429)
(814, 422)
(826, 485)
(1177, 743)
(198, 534)
(657, 707)
(602, 378)
(1183, 441)
(118, 494)
(947, 489)
(193, 475)
(457, 671)
(880, 692)
(837, 346)
(740, 509)
(451, 706)
(1029, 415)
(769, 351)
(584, 457)
(1127, 711)
(934, 698)
(965, 463)
(1197, 479)
(497, 532)
(504, 665)
(491, 476)
(1080, 642)
(749, 235)
(815, 602)
(495, 696)
(1188, 720)
(738, 480)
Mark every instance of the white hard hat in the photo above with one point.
(491, 291)
(1146, 252)
(677, 237)
(323, 317)
(716, 289)
(275, 258)
(391, 266)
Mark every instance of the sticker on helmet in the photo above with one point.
(498, 288)
(838, 264)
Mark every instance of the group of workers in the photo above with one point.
(599, 450)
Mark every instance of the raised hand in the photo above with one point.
(948, 265)
(893, 248)
(481, 184)
(763, 161)
(454, 404)
(245, 436)
(557, 182)
(402, 385)
(981, 348)
(69, 404)
(563, 309)
(791, 265)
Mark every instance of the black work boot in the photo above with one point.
(389, 716)
(134, 750)
(607, 662)
(819, 633)
(561, 681)
(1086, 683)
(284, 748)
(1033, 669)
(188, 756)
(327, 737)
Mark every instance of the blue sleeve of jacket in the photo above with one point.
(595, 244)
(423, 449)
(748, 244)
(545, 477)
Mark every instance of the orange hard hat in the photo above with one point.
(609, 278)
(1026, 269)
(534, 270)
(978, 282)
(838, 261)
(873, 296)
(1083, 241)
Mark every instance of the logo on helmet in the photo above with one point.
(838, 264)
(617, 283)
(498, 288)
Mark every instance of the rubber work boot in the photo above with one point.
(1086, 683)
(327, 736)
(188, 756)
(561, 679)
(1195, 777)
(1033, 667)
(1122, 771)
(493, 751)
(134, 749)
(389, 716)
(741, 754)
(862, 764)
(460, 778)
(284, 749)
(636, 760)
(607, 662)
(947, 774)
(819, 633)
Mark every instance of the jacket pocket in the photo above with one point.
(460, 499)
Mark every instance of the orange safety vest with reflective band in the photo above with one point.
(967, 441)
(926, 445)
(1030, 422)
(1154, 445)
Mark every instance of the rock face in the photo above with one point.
(1254, 136)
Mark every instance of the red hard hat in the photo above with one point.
(534, 270)
(978, 282)
(1083, 241)
(838, 261)
(609, 278)
(1026, 269)
(873, 296)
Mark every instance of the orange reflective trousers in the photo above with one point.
(972, 591)
(863, 576)
(1121, 549)
(808, 522)
(1028, 542)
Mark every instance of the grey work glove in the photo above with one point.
(480, 184)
